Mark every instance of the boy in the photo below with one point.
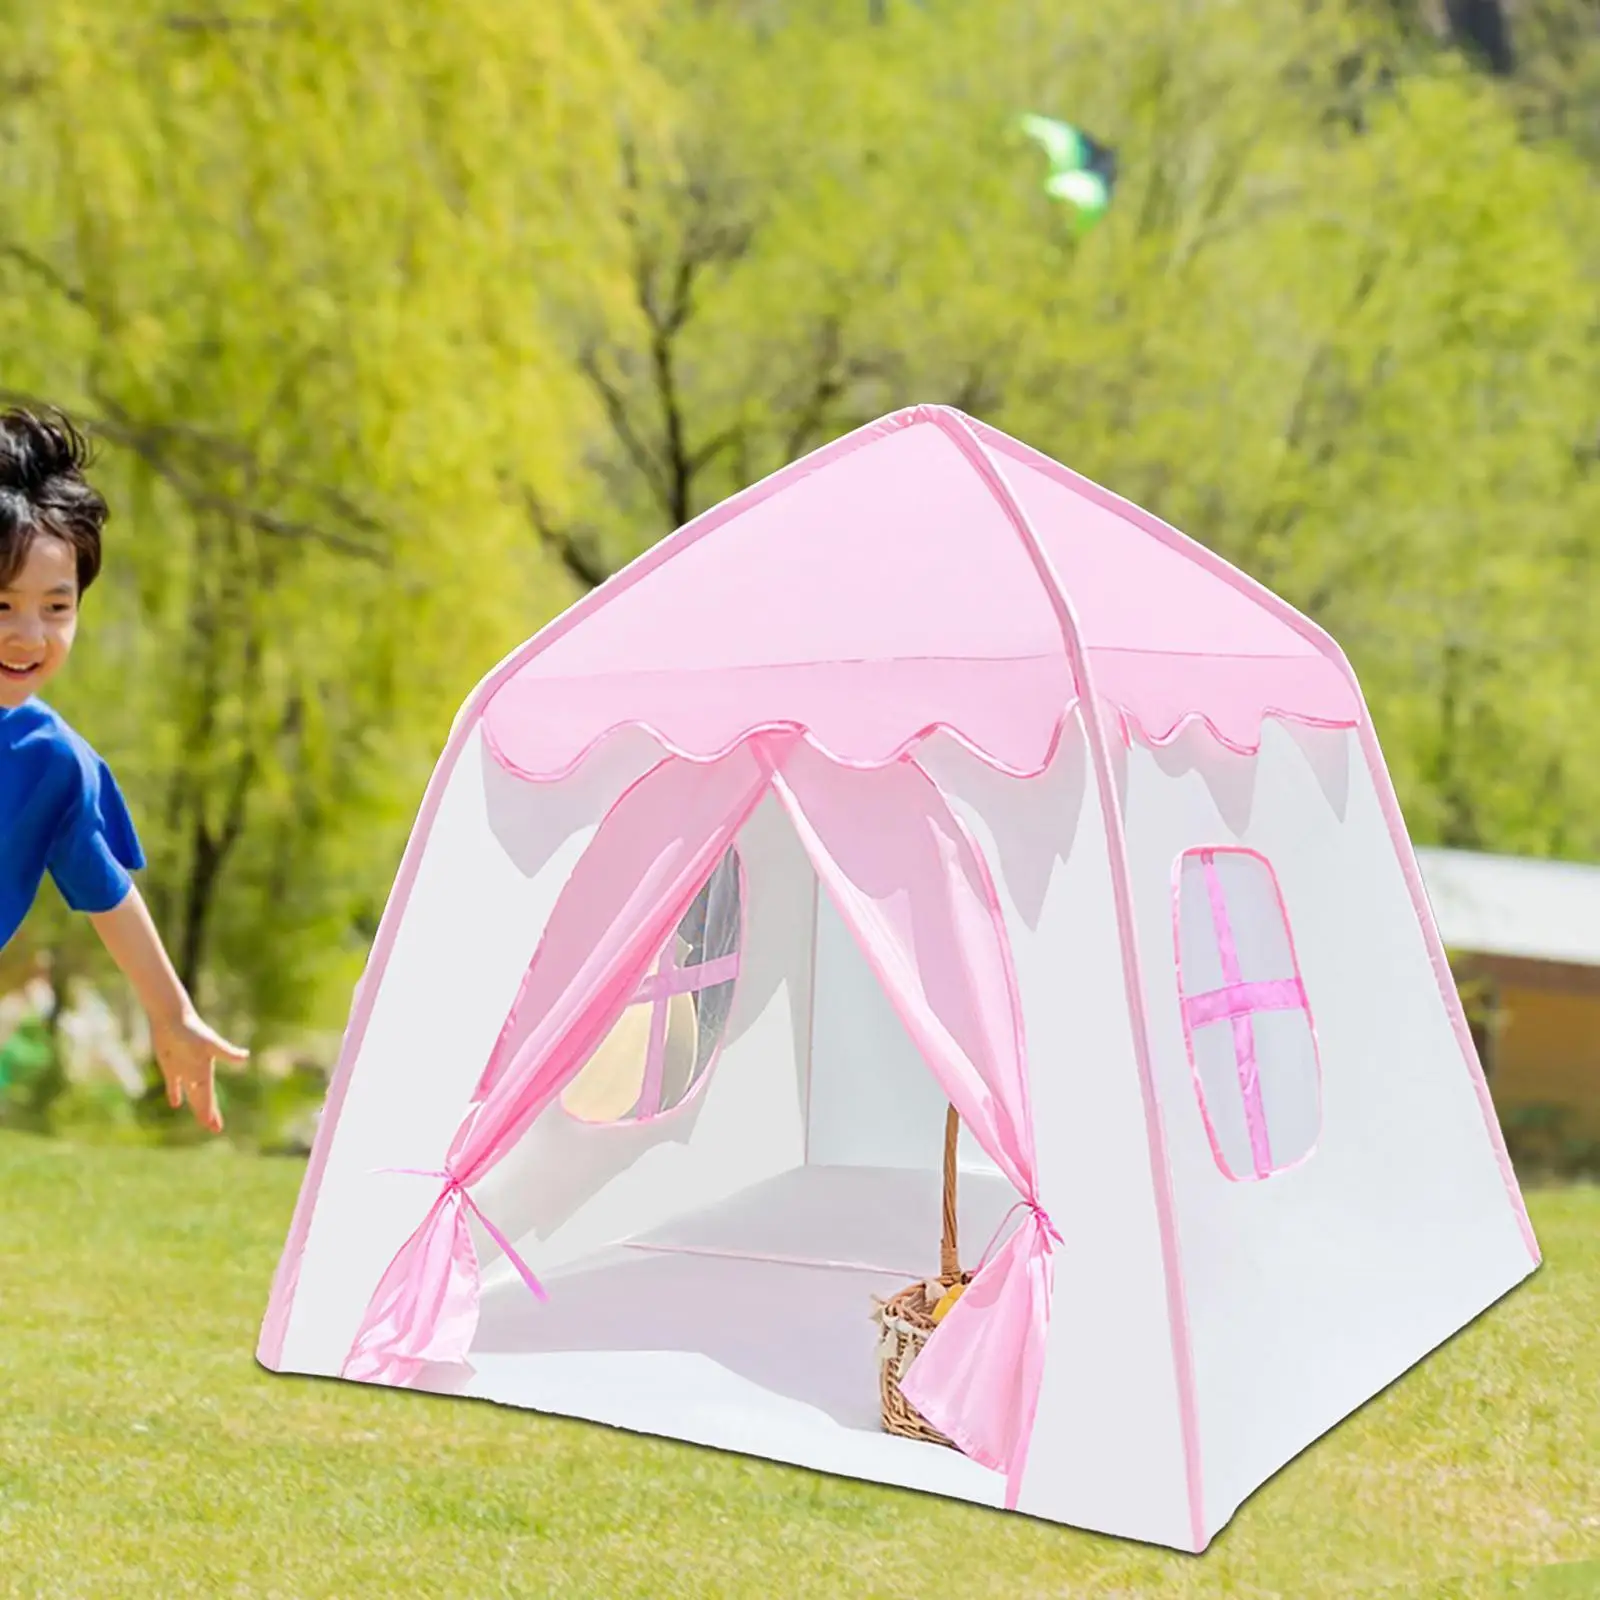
(60, 809)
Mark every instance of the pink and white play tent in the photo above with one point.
(924, 772)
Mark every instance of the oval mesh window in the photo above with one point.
(1245, 1018)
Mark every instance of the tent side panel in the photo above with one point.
(570, 1189)
(1314, 1287)
(1107, 1449)
(492, 864)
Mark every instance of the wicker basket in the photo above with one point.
(907, 1319)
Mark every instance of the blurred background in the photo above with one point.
(402, 322)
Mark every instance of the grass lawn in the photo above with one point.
(143, 1451)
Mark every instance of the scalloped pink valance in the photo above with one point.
(868, 714)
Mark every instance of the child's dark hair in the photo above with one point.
(42, 490)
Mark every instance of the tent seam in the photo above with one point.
(964, 434)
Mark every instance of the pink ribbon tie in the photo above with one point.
(1039, 1214)
(453, 1185)
(1042, 1217)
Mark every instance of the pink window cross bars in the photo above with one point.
(1237, 1001)
(657, 990)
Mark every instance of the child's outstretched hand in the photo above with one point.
(188, 1050)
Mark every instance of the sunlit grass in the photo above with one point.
(143, 1451)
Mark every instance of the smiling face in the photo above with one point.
(38, 618)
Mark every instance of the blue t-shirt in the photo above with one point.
(61, 812)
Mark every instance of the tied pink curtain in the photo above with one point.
(912, 885)
(649, 858)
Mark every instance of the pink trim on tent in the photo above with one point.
(1099, 744)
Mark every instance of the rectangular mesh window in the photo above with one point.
(1246, 1021)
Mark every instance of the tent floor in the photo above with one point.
(745, 1325)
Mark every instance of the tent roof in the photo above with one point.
(880, 588)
